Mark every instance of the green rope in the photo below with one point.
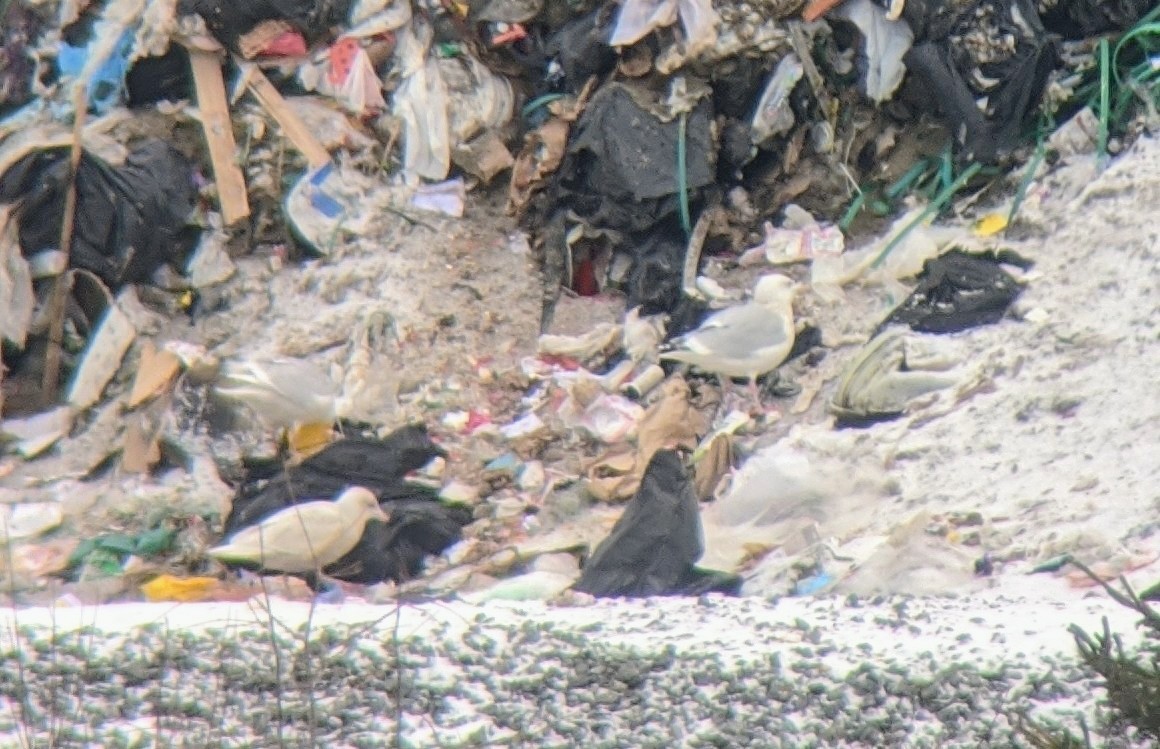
(683, 175)
(853, 211)
(1028, 176)
(538, 102)
(934, 207)
(1105, 98)
(905, 181)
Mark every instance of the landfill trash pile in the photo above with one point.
(497, 264)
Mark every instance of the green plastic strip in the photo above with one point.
(935, 206)
(683, 174)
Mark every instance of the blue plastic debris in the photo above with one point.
(106, 89)
(813, 584)
(325, 204)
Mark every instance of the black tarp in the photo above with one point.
(420, 524)
(228, 21)
(959, 290)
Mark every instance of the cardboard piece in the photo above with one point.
(155, 373)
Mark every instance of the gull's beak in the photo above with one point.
(381, 514)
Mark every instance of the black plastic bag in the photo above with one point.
(420, 524)
(653, 548)
(995, 51)
(581, 50)
(377, 464)
(163, 78)
(129, 219)
(620, 176)
(625, 156)
(957, 291)
(1081, 19)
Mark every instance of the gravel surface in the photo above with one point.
(886, 672)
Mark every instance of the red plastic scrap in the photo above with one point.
(566, 363)
(584, 278)
(286, 44)
(475, 420)
(514, 33)
(342, 57)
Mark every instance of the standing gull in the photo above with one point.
(746, 340)
(306, 537)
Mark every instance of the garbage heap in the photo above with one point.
(147, 150)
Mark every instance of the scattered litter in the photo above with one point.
(669, 422)
(783, 246)
(37, 433)
(16, 294)
(115, 334)
(662, 154)
(774, 116)
(887, 41)
(156, 371)
(107, 555)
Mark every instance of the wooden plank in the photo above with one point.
(293, 127)
(219, 134)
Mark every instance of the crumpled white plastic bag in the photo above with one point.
(887, 42)
(421, 103)
(639, 18)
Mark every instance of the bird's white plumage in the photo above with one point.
(283, 392)
(642, 335)
(745, 340)
(305, 537)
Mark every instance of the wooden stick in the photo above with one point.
(296, 130)
(58, 298)
(219, 134)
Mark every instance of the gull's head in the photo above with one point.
(363, 502)
(774, 288)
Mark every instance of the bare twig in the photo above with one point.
(1128, 599)
(25, 707)
(279, 669)
(58, 299)
(398, 679)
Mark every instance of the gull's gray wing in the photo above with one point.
(737, 332)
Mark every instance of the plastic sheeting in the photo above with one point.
(420, 524)
(129, 219)
(655, 544)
